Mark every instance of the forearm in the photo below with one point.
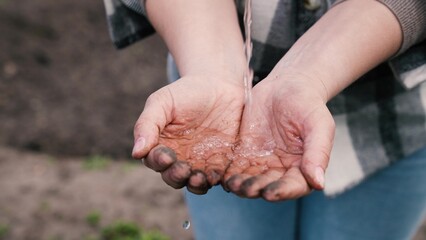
(202, 35)
(349, 40)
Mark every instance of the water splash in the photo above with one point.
(250, 148)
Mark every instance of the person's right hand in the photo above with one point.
(188, 128)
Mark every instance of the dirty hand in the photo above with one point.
(188, 128)
(285, 141)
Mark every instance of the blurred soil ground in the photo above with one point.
(49, 198)
(64, 88)
(65, 94)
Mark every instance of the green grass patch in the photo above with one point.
(121, 231)
(154, 235)
(4, 229)
(91, 237)
(129, 166)
(93, 218)
(129, 231)
(96, 162)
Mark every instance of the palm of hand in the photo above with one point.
(196, 131)
(285, 142)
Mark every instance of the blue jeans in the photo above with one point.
(389, 205)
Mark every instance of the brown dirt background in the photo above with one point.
(65, 94)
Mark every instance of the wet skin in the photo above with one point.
(279, 152)
(296, 125)
(188, 128)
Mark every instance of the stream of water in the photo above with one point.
(248, 47)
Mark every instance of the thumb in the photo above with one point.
(319, 134)
(154, 117)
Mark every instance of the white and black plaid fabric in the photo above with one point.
(380, 119)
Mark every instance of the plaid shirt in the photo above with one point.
(380, 119)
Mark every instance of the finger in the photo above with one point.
(160, 158)
(253, 186)
(215, 168)
(154, 117)
(234, 175)
(318, 141)
(234, 183)
(177, 175)
(291, 186)
(198, 183)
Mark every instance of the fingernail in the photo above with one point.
(139, 145)
(319, 176)
(213, 177)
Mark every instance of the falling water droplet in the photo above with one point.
(186, 225)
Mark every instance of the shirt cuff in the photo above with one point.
(136, 5)
(411, 15)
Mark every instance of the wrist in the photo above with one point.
(222, 66)
(301, 82)
(202, 35)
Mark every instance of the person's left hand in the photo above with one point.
(286, 137)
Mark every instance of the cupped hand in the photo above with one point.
(286, 137)
(188, 128)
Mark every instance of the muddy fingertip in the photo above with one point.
(198, 183)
